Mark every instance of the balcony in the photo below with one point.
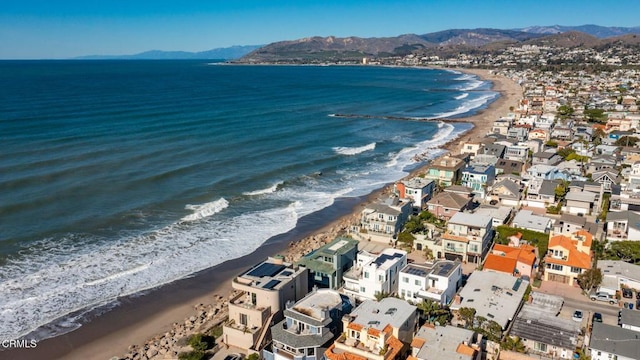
(243, 300)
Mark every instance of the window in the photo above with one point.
(381, 278)
(254, 298)
(576, 270)
(540, 347)
(366, 274)
(362, 289)
(405, 279)
(418, 282)
(243, 319)
(556, 267)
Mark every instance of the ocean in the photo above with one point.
(120, 176)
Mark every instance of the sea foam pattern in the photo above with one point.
(187, 166)
(342, 150)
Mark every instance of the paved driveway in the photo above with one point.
(575, 300)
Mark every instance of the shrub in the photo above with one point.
(201, 342)
(191, 355)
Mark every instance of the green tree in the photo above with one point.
(565, 152)
(551, 143)
(433, 312)
(595, 115)
(564, 111)
(467, 315)
(628, 251)
(590, 279)
(192, 355)
(626, 141)
(561, 190)
(253, 356)
(513, 344)
(406, 237)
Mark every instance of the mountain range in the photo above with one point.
(441, 43)
(437, 43)
(228, 53)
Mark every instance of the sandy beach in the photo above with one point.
(165, 311)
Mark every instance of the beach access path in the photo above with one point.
(143, 320)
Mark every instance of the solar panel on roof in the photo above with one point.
(516, 286)
(444, 270)
(416, 271)
(266, 269)
(384, 257)
(271, 284)
(286, 273)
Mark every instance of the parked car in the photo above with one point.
(577, 315)
(627, 293)
(597, 317)
(638, 295)
(600, 296)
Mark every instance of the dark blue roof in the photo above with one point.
(266, 269)
(384, 257)
(271, 284)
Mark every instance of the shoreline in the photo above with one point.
(160, 311)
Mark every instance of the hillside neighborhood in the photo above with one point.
(524, 245)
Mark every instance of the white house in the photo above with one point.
(374, 274)
(437, 281)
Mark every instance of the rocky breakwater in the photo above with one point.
(170, 344)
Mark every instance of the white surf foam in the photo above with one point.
(468, 105)
(462, 96)
(354, 150)
(205, 210)
(80, 272)
(271, 189)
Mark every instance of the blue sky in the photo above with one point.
(54, 29)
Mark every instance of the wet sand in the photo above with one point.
(140, 318)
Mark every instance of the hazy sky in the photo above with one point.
(53, 29)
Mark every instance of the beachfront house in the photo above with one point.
(375, 274)
(376, 331)
(264, 290)
(471, 148)
(468, 237)
(437, 281)
(501, 126)
(384, 219)
(446, 170)
(478, 177)
(568, 257)
(418, 190)
(309, 327)
(328, 263)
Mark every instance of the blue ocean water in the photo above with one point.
(120, 176)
